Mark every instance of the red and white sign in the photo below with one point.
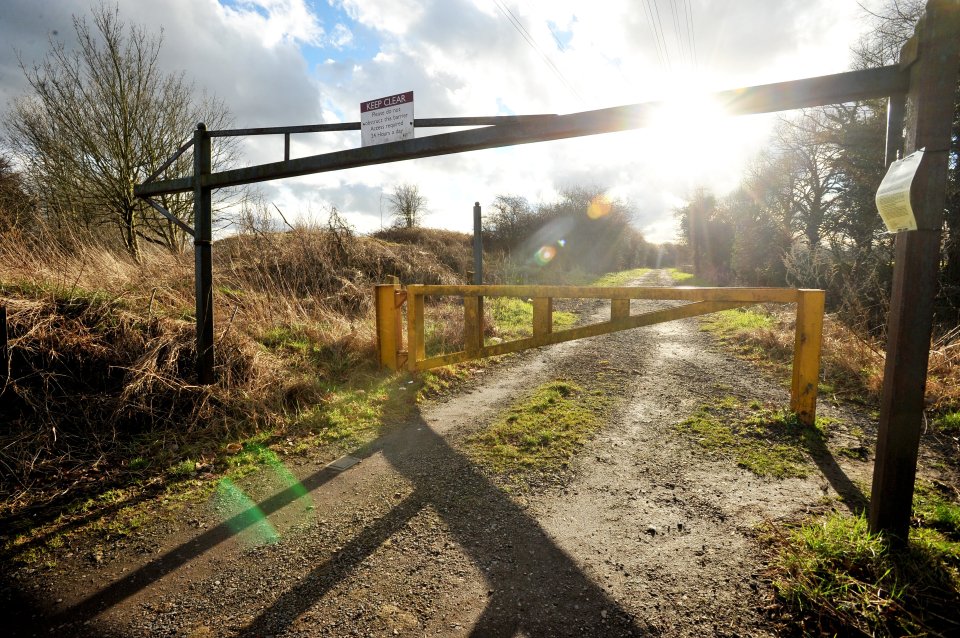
(386, 119)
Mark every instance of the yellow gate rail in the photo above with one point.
(390, 299)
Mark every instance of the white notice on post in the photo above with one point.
(386, 119)
(893, 196)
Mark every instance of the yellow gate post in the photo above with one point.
(806, 355)
(416, 348)
(389, 298)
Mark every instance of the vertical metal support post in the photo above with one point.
(286, 147)
(478, 268)
(929, 119)
(896, 105)
(388, 325)
(542, 316)
(416, 349)
(477, 247)
(202, 240)
(806, 355)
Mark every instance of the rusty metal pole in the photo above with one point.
(202, 240)
(933, 59)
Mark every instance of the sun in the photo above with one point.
(690, 132)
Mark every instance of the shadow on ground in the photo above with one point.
(535, 587)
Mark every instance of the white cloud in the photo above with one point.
(464, 57)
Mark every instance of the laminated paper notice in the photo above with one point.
(893, 196)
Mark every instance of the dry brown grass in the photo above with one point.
(852, 365)
(102, 346)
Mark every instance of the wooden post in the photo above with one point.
(619, 309)
(472, 334)
(806, 355)
(388, 325)
(542, 316)
(202, 248)
(929, 120)
(416, 349)
(4, 345)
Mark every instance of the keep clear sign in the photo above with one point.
(893, 196)
(387, 119)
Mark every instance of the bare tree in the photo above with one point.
(407, 206)
(99, 119)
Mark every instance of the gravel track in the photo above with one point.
(646, 536)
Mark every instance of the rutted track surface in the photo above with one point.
(648, 537)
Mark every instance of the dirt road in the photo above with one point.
(648, 536)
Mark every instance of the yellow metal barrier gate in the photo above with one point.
(391, 298)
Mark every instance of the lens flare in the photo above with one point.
(599, 207)
(545, 255)
(561, 242)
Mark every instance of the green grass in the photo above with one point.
(513, 318)
(949, 422)
(771, 443)
(621, 278)
(836, 578)
(730, 322)
(540, 434)
(681, 278)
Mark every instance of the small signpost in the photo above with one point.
(386, 119)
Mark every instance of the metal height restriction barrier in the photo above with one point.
(391, 299)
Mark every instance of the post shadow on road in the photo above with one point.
(850, 493)
(559, 599)
(536, 587)
(144, 576)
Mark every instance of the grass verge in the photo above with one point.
(833, 577)
(536, 438)
(622, 278)
(513, 318)
(765, 441)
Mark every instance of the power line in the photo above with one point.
(530, 40)
(657, 36)
(693, 34)
(666, 50)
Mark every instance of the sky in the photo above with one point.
(289, 62)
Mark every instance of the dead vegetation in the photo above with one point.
(100, 371)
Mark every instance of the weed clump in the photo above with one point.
(833, 577)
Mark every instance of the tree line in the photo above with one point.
(804, 214)
(97, 120)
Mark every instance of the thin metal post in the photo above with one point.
(286, 147)
(4, 338)
(477, 247)
(203, 238)
(896, 105)
(930, 109)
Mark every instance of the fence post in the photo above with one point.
(472, 325)
(416, 349)
(542, 316)
(388, 325)
(202, 248)
(4, 348)
(806, 355)
(932, 65)
(619, 309)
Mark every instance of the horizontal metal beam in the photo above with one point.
(424, 122)
(818, 91)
